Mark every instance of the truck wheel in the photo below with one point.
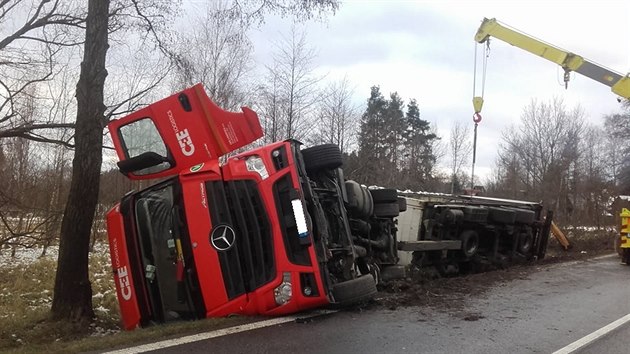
(356, 200)
(470, 242)
(384, 195)
(402, 204)
(386, 210)
(322, 157)
(626, 256)
(354, 291)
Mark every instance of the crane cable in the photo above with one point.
(478, 100)
(478, 103)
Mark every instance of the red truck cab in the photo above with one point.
(265, 233)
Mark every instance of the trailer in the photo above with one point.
(452, 232)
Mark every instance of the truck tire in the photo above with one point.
(322, 157)
(355, 196)
(386, 210)
(360, 202)
(402, 204)
(625, 256)
(384, 195)
(354, 291)
(470, 242)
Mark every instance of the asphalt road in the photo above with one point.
(542, 312)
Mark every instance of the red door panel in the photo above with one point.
(178, 132)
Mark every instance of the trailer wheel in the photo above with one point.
(386, 210)
(354, 291)
(384, 195)
(470, 242)
(322, 157)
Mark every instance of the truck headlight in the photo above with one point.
(284, 291)
(255, 164)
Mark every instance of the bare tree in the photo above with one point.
(32, 36)
(291, 88)
(270, 105)
(617, 137)
(543, 149)
(459, 149)
(592, 188)
(338, 116)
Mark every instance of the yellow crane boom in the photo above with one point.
(619, 83)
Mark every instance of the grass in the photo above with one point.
(26, 327)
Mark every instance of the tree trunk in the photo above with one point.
(73, 294)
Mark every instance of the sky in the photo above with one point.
(425, 50)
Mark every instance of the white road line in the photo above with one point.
(593, 336)
(217, 333)
(572, 263)
(605, 256)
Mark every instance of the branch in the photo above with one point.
(27, 132)
(49, 18)
(48, 41)
(152, 31)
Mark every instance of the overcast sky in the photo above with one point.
(425, 50)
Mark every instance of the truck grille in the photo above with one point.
(250, 262)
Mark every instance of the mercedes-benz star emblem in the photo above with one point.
(222, 238)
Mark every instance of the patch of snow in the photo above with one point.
(102, 309)
(25, 256)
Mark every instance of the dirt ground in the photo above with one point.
(449, 294)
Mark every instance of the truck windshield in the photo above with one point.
(161, 251)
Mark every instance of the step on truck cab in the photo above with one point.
(269, 231)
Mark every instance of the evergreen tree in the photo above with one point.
(419, 157)
(394, 125)
(371, 152)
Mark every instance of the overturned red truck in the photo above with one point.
(273, 230)
(265, 233)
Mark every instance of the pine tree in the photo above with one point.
(371, 152)
(419, 157)
(394, 126)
